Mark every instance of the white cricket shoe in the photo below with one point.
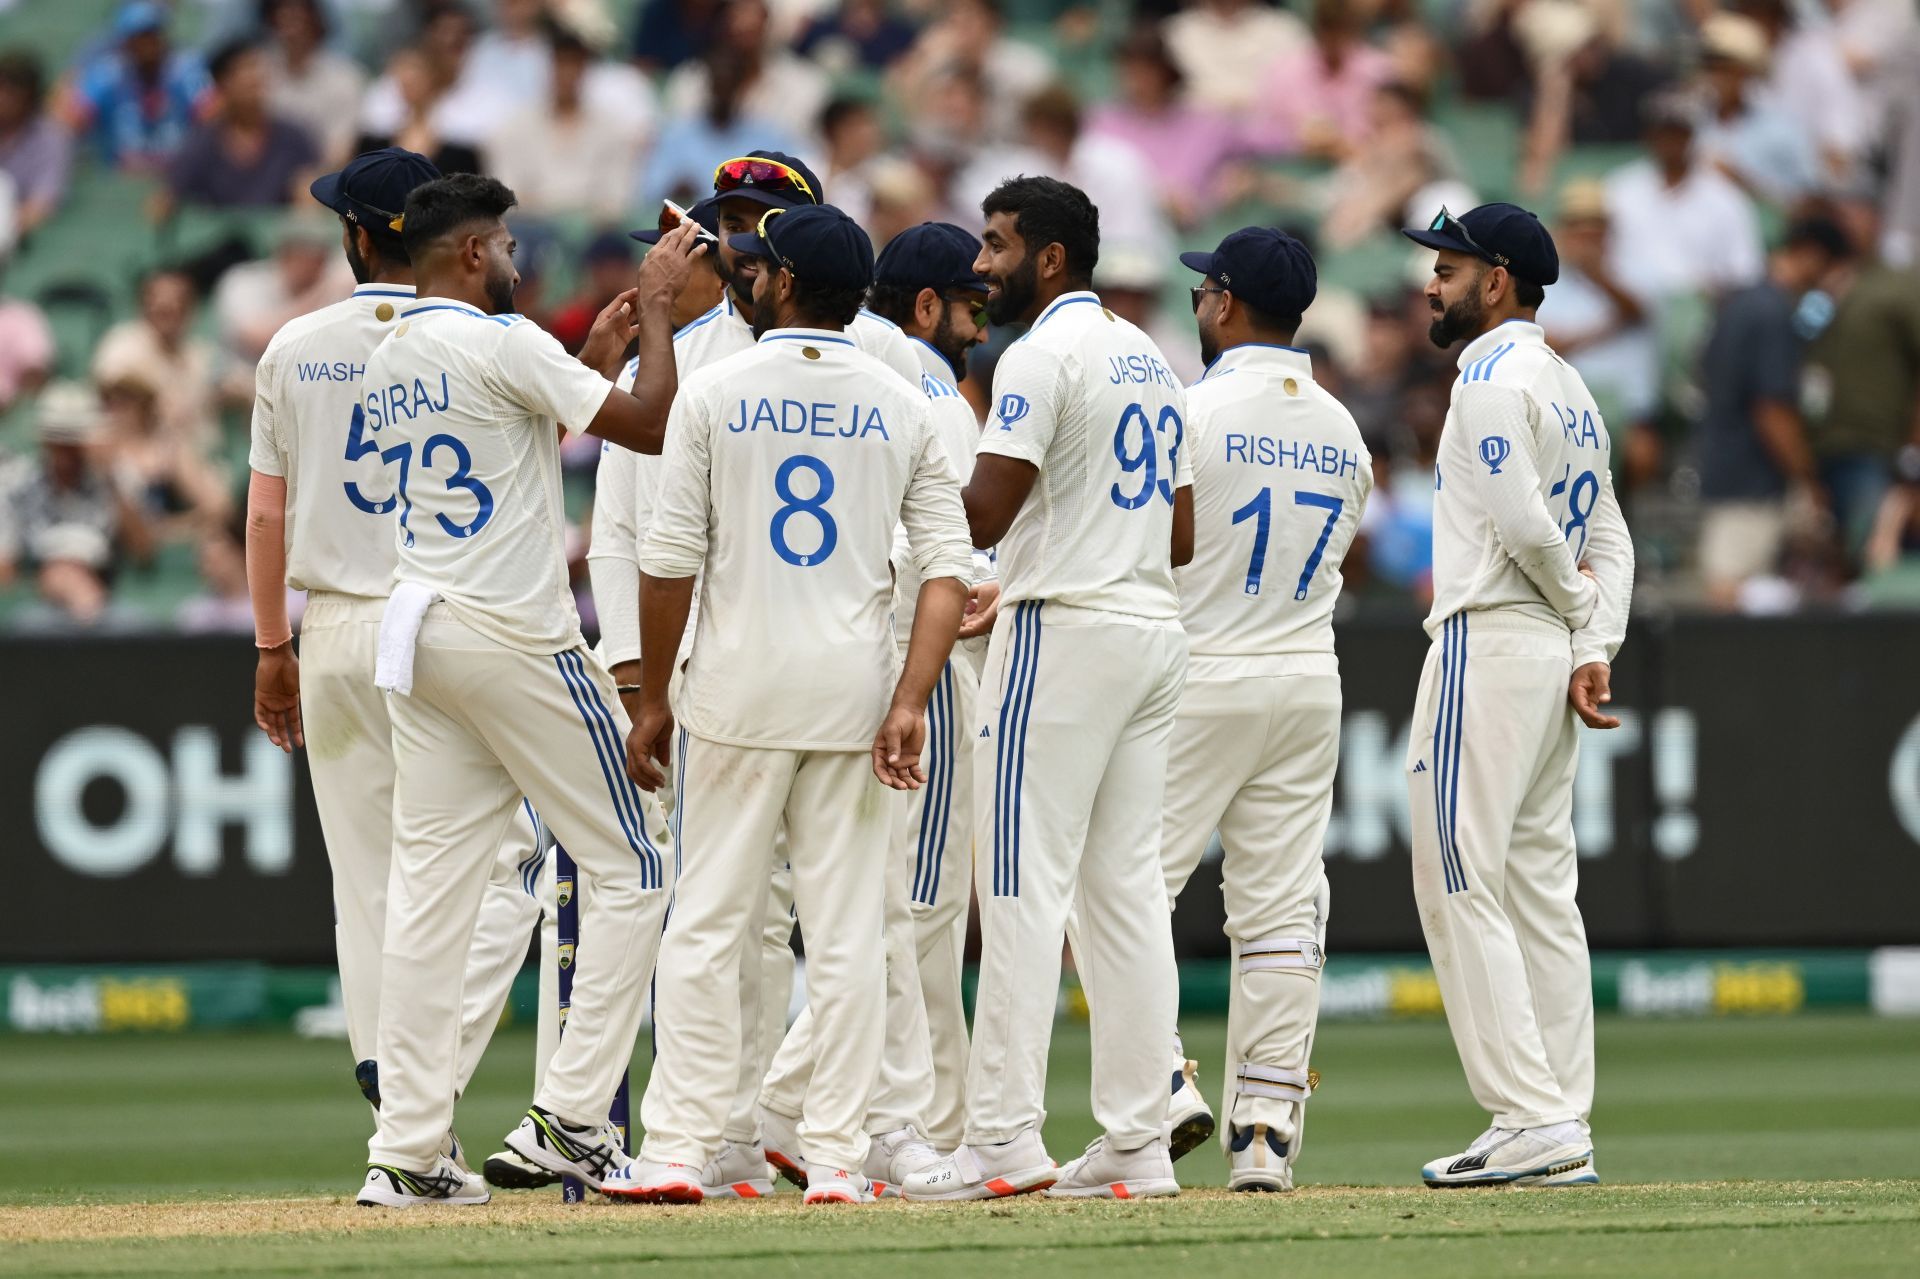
(1560, 1155)
(1189, 1118)
(894, 1156)
(443, 1184)
(780, 1134)
(1105, 1173)
(837, 1186)
(986, 1172)
(737, 1172)
(650, 1181)
(510, 1170)
(1259, 1159)
(588, 1153)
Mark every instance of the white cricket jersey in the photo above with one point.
(468, 404)
(1524, 493)
(786, 470)
(308, 427)
(1088, 399)
(1280, 479)
(958, 429)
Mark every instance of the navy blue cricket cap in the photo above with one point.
(933, 255)
(817, 242)
(372, 190)
(706, 214)
(780, 181)
(1501, 234)
(1263, 267)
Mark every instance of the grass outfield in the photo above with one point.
(1790, 1146)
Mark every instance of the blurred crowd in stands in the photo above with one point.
(1734, 186)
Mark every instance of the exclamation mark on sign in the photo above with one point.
(1676, 830)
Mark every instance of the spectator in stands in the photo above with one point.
(850, 130)
(1757, 471)
(1371, 189)
(308, 83)
(1808, 79)
(606, 272)
(179, 490)
(157, 349)
(1379, 376)
(672, 32)
(1185, 145)
(138, 97)
(1398, 524)
(1604, 329)
(1317, 99)
(683, 158)
(557, 155)
(1863, 380)
(222, 605)
(35, 150)
(1892, 556)
(763, 80)
(243, 156)
(971, 35)
(514, 55)
(1223, 47)
(255, 299)
(1583, 87)
(27, 352)
(413, 115)
(66, 522)
(1679, 225)
(855, 34)
(1750, 136)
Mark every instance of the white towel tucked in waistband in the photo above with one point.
(399, 628)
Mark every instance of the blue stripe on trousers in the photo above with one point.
(1005, 787)
(1442, 750)
(1459, 723)
(612, 769)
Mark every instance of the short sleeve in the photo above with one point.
(1027, 393)
(264, 453)
(533, 370)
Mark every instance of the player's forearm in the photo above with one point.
(936, 624)
(657, 379)
(1784, 439)
(664, 605)
(267, 559)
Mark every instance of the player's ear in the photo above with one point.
(926, 306)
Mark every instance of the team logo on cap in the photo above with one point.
(1493, 451)
(1012, 409)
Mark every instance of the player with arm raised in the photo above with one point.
(1280, 479)
(495, 693)
(1532, 578)
(787, 469)
(1082, 482)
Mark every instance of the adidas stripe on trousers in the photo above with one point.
(1490, 762)
(484, 726)
(1074, 719)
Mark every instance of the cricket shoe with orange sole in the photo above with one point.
(1106, 1173)
(986, 1171)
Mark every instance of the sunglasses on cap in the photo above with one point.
(757, 171)
(1445, 223)
(395, 221)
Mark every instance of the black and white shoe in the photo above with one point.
(443, 1184)
(1560, 1155)
(510, 1170)
(589, 1153)
(1189, 1120)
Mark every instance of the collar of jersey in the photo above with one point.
(445, 304)
(384, 291)
(932, 363)
(807, 335)
(1065, 299)
(1507, 333)
(1260, 355)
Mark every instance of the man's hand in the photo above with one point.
(897, 747)
(983, 608)
(664, 271)
(614, 329)
(276, 697)
(648, 746)
(1589, 690)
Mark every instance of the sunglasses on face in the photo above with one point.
(1199, 291)
(976, 307)
(753, 171)
(1447, 224)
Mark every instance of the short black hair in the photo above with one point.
(1821, 233)
(446, 204)
(221, 64)
(319, 11)
(824, 302)
(841, 109)
(1049, 211)
(20, 69)
(1528, 294)
(893, 302)
(1269, 321)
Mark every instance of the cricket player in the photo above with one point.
(924, 282)
(1280, 480)
(495, 695)
(320, 518)
(744, 188)
(1532, 578)
(1083, 483)
(787, 468)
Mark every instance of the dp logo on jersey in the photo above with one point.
(1012, 409)
(1493, 451)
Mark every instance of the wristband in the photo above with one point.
(624, 689)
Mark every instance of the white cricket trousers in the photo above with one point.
(730, 805)
(350, 755)
(1254, 757)
(1074, 721)
(484, 726)
(1490, 775)
(922, 1070)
